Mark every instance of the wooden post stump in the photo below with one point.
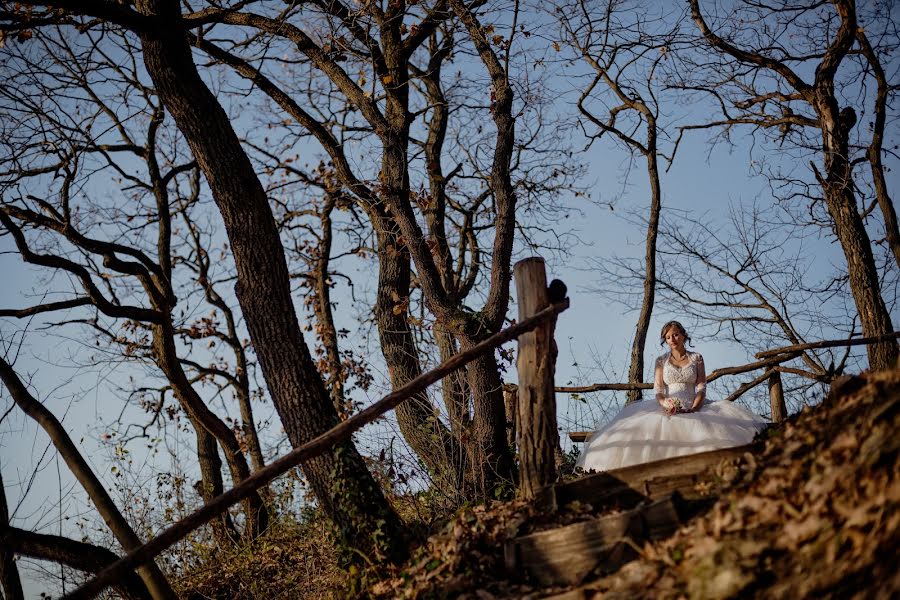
(776, 398)
(537, 435)
(510, 394)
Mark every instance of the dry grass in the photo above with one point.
(292, 561)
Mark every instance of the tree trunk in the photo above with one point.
(166, 357)
(873, 152)
(418, 420)
(776, 398)
(453, 387)
(10, 582)
(321, 258)
(636, 370)
(346, 491)
(851, 233)
(211, 485)
(491, 466)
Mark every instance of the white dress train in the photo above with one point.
(642, 432)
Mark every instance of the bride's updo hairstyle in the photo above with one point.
(676, 325)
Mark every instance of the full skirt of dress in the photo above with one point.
(642, 432)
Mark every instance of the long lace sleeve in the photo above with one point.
(700, 384)
(659, 386)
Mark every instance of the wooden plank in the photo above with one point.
(651, 480)
(566, 555)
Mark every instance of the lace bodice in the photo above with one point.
(680, 382)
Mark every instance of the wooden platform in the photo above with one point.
(649, 481)
(654, 499)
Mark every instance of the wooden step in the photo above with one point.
(566, 555)
(627, 487)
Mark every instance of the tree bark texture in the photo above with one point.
(346, 491)
(538, 436)
(417, 418)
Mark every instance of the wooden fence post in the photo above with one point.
(537, 434)
(776, 398)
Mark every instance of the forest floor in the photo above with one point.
(812, 512)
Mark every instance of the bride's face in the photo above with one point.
(675, 339)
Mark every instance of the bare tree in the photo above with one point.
(68, 236)
(761, 56)
(340, 480)
(400, 81)
(624, 47)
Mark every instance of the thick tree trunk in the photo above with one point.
(491, 466)
(418, 420)
(343, 486)
(852, 235)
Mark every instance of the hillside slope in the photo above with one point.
(814, 513)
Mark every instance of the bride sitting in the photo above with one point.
(680, 422)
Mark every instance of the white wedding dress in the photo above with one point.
(642, 432)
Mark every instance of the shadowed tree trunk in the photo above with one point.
(10, 582)
(340, 480)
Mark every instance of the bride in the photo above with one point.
(681, 421)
